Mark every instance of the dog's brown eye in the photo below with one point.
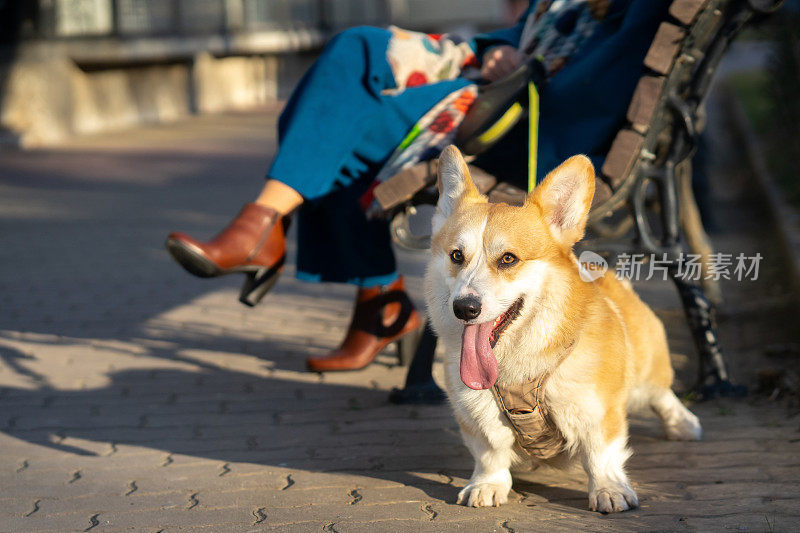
(508, 259)
(457, 257)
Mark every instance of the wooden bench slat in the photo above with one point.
(623, 153)
(402, 186)
(644, 102)
(686, 10)
(507, 194)
(665, 47)
(602, 192)
(482, 179)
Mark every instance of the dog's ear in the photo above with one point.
(565, 197)
(455, 182)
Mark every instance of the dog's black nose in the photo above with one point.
(467, 308)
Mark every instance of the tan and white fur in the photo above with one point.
(619, 359)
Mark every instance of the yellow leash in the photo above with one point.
(509, 118)
(533, 133)
(502, 125)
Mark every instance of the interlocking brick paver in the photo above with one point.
(136, 397)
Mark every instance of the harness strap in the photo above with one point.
(535, 431)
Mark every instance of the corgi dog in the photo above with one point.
(505, 295)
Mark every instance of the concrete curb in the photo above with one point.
(785, 218)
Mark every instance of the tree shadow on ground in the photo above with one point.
(200, 409)
(206, 411)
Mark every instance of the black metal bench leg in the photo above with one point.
(713, 378)
(420, 387)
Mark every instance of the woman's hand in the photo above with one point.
(500, 61)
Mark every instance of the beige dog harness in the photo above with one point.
(535, 431)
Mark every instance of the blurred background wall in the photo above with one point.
(81, 66)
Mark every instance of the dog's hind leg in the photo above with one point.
(679, 423)
(490, 483)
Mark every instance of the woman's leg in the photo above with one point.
(336, 131)
(336, 242)
(279, 197)
(342, 86)
(314, 138)
(323, 121)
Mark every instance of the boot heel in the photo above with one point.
(407, 345)
(257, 284)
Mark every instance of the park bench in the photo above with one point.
(644, 203)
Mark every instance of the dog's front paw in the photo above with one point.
(686, 428)
(483, 495)
(612, 499)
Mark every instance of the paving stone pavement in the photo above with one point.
(136, 397)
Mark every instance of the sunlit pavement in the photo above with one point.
(134, 396)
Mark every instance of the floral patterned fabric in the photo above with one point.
(420, 58)
(426, 140)
(553, 30)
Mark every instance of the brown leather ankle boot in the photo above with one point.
(253, 243)
(382, 315)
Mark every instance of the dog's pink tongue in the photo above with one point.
(478, 364)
